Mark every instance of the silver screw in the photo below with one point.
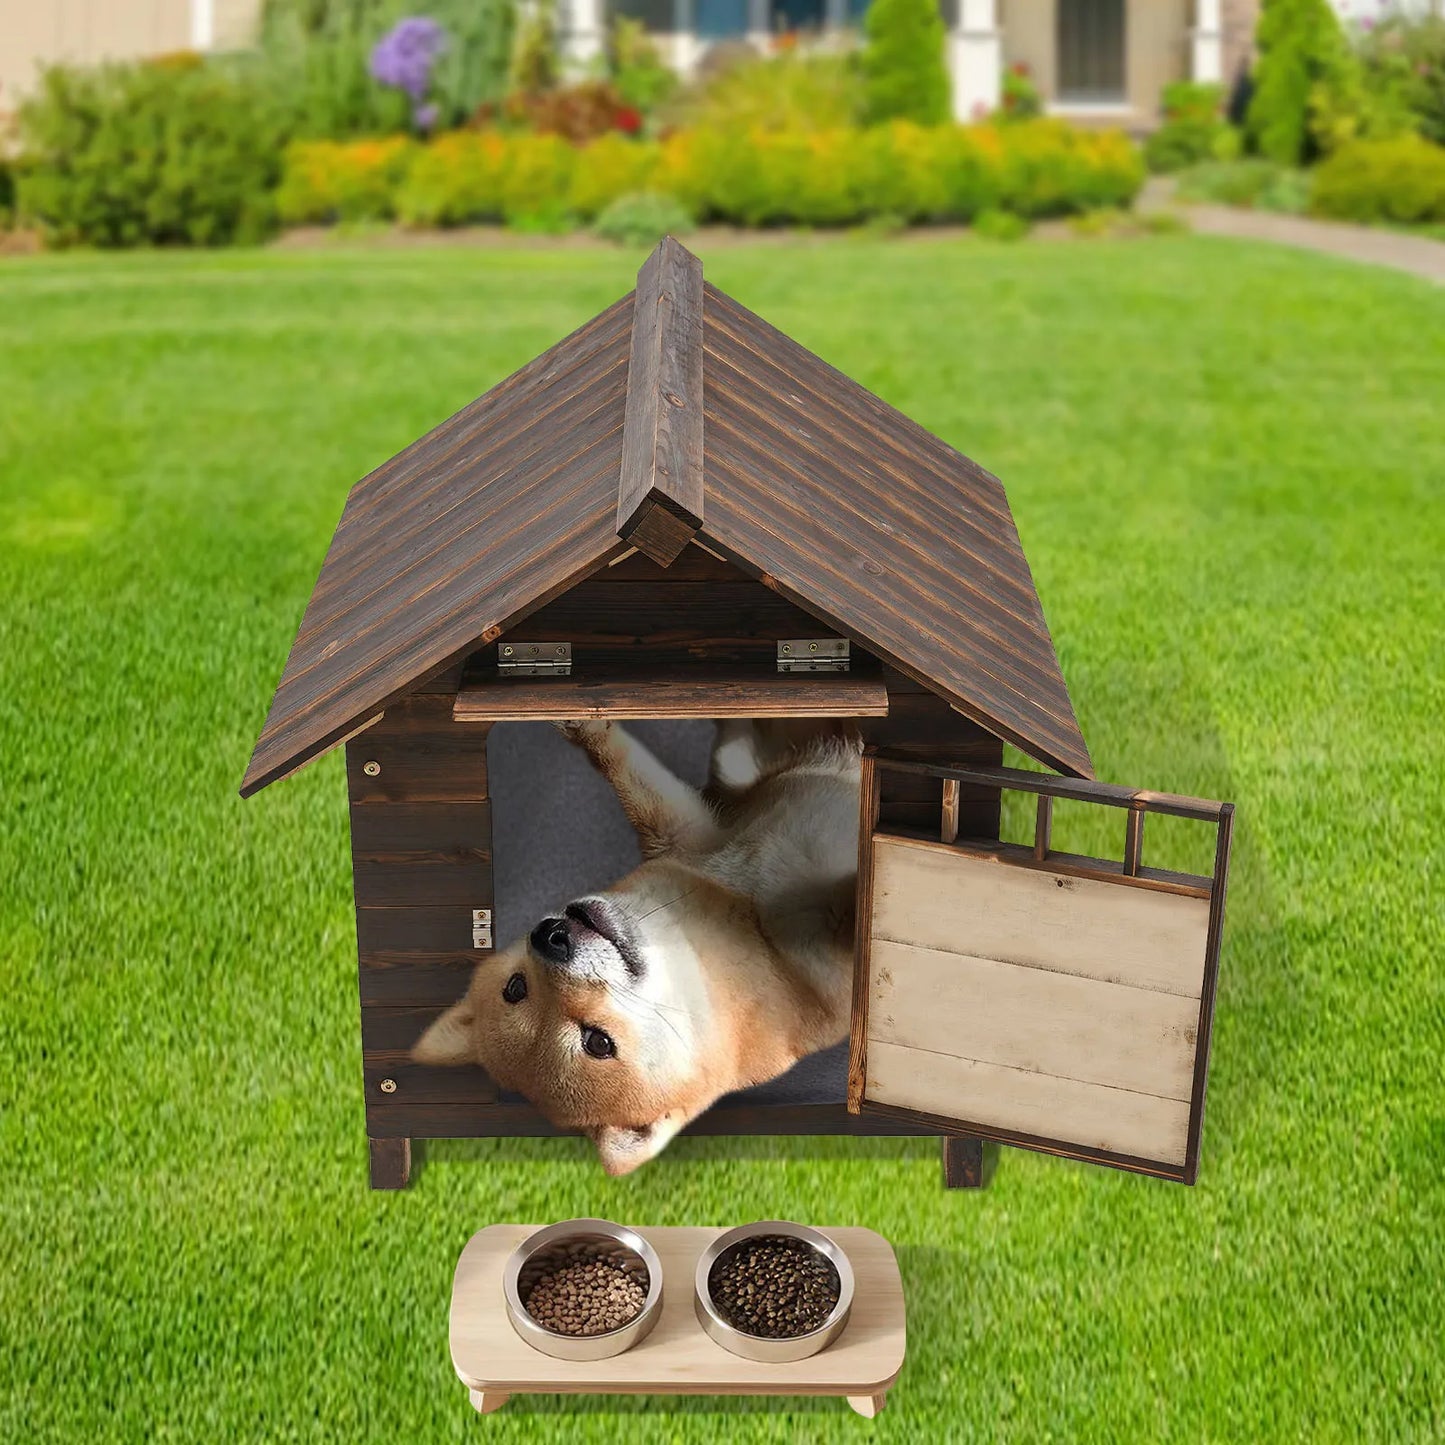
(506, 652)
(787, 647)
(388, 1086)
(371, 769)
(812, 647)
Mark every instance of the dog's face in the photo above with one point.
(626, 1014)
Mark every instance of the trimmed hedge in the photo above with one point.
(825, 178)
(1400, 180)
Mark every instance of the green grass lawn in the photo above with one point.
(1228, 467)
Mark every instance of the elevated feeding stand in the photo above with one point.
(677, 1358)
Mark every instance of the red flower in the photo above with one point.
(627, 120)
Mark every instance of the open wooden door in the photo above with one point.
(1042, 999)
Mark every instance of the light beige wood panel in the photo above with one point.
(677, 1358)
(1029, 1018)
(934, 897)
(1091, 1116)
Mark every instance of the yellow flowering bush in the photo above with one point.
(324, 181)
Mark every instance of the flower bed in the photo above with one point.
(755, 178)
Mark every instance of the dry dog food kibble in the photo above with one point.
(774, 1286)
(589, 1297)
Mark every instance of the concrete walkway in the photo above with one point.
(1417, 255)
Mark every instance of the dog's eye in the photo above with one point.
(598, 1044)
(516, 988)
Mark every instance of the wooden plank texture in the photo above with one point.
(1033, 1018)
(902, 543)
(492, 512)
(660, 495)
(1113, 1121)
(702, 693)
(945, 899)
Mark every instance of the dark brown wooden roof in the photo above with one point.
(798, 475)
(856, 513)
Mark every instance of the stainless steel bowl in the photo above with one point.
(559, 1244)
(755, 1347)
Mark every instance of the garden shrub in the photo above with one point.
(315, 56)
(1048, 168)
(1252, 183)
(148, 153)
(325, 181)
(904, 73)
(642, 79)
(1404, 68)
(642, 219)
(536, 182)
(1400, 180)
(609, 169)
(787, 92)
(456, 180)
(1306, 80)
(1019, 97)
(760, 177)
(996, 225)
(578, 113)
(1190, 129)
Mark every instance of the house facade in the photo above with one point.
(1093, 60)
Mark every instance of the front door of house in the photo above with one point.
(1090, 41)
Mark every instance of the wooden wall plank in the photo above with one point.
(1112, 1120)
(1031, 1018)
(519, 1120)
(699, 692)
(440, 767)
(937, 898)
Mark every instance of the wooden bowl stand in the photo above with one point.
(677, 1358)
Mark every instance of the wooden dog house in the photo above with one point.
(677, 511)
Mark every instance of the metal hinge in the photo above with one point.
(534, 659)
(814, 654)
(481, 928)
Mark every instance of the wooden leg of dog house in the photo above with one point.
(485, 1401)
(868, 1406)
(968, 1163)
(390, 1163)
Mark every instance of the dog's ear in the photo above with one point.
(450, 1039)
(622, 1150)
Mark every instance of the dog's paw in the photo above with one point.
(585, 731)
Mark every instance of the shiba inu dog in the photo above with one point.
(718, 963)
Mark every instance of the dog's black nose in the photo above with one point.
(552, 940)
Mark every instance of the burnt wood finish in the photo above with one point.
(494, 512)
(390, 1163)
(968, 1163)
(660, 496)
(848, 508)
(422, 862)
(1136, 802)
(518, 1120)
(844, 510)
(698, 610)
(701, 693)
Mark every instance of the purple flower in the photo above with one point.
(404, 57)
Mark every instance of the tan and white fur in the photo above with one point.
(718, 963)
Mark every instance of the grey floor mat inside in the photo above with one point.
(558, 831)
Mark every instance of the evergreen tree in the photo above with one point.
(904, 73)
(1303, 58)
